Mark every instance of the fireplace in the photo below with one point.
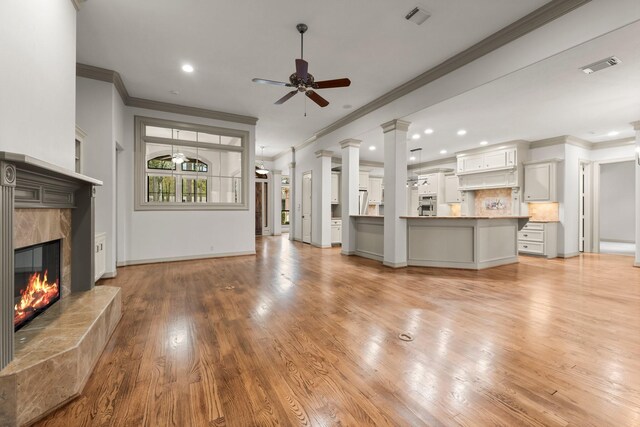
(36, 280)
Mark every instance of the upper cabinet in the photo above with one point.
(363, 180)
(428, 185)
(335, 188)
(488, 161)
(451, 192)
(540, 182)
(375, 190)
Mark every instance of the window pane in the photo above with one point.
(194, 165)
(208, 137)
(159, 156)
(237, 190)
(231, 164)
(185, 135)
(230, 140)
(158, 132)
(212, 159)
(214, 191)
(194, 190)
(161, 188)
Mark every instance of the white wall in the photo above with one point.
(617, 201)
(96, 113)
(37, 106)
(162, 235)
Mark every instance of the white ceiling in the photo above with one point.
(547, 99)
(230, 42)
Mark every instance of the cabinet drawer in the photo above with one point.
(531, 235)
(531, 247)
(533, 226)
(335, 222)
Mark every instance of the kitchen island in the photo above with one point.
(468, 242)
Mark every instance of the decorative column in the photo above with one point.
(636, 126)
(7, 190)
(395, 193)
(321, 201)
(292, 194)
(349, 193)
(276, 206)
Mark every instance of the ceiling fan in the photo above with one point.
(303, 81)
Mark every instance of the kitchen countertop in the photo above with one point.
(464, 217)
(367, 216)
(542, 221)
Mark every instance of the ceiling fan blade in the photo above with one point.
(286, 97)
(317, 98)
(328, 84)
(271, 82)
(302, 69)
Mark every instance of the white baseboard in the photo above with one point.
(569, 255)
(318, 245)
(110, 275)
(394, 264)
(183, 258)
(636, 264)
(617, 240)
(348, 253)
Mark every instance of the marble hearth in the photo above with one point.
(47, 362)
(56, 353)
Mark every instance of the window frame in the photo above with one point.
(140, 164)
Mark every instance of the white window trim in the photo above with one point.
(140, 165)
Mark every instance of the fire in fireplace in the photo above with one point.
(37, 280)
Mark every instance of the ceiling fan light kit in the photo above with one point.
(303, 81)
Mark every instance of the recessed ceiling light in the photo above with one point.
(372, 147)
(428, 131)
(412, 158)
(416, 136)
(462, 132)
(443, 151)
(187, 68)
(613, 133)
(484, 142)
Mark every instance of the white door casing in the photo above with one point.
(306, 207)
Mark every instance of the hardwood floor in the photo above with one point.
(304, 336)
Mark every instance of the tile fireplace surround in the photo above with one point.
(48, 361)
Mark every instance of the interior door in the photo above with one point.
(306, 207)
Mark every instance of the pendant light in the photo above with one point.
(178, 158)
(261, 169)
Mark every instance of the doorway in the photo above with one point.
(615, 207)
(586, 222)
(263, 220)
(306, 207)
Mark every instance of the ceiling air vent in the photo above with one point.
(601, 65)
(417, 15)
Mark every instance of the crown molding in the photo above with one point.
(350, 143)
(111, 76)
(431, 163)
(395, 124)
(190, 111)
(324, 153)
(530, 22)
(367, 163)
(622, 142)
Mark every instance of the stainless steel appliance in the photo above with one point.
(428, 206)
(363, 202)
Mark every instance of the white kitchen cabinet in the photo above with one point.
(428, 185)
(488, 161)
(335, 188)
(412, 200)
(489, 179)
(363, 181)
(375, 190)
(336, 231)
(540, 182)
(100, 262)
(451, 192)
(537, 238)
